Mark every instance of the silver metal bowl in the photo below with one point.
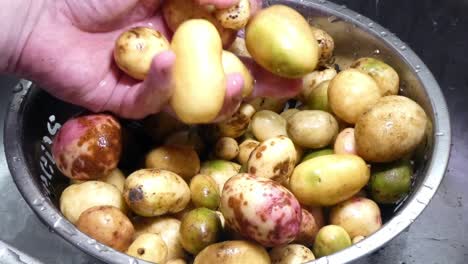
(34, 118)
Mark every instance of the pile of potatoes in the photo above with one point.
(281, 181)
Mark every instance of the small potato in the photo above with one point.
(238, 124)
(76, 198)
(318, 97)
(233, 252)
(186, 138)
(309, 228)
(232, 64)
(391, 129)
(345, 142)
(235, 17)
(358, 216)
(149, 247)
(135, 49)
(288, 113)
(115, 177)
(325, 43)
(311, 80)
(267, 124)
(312, 128)
(161, 125)
(266, 103)
(153, 192)
(245, 149)
(357, 239)
(318, 153)
(199, 228)
(180, 160)
(220, 171)
(390, 182)
(331, 239)
(108, 225)
(291, 254)
(385, 76)
(166, 227)
(351, 93)
(226, 148)
(238, 47)
(204, 192)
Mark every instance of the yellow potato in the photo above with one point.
(291, 254)
(267, 124)
(288, 113)
(226, 148)
(318, 97)
(238, 47)
(199, 83)
(233, 252)
(245, 149)
(238, 124)
(220, 171)
(345, 142)
(325, 43)
(183, 161)
(385, 76)
(232, 64)
(235, 17)
(115, 177)
(134, 50)
(149, 247)
(313, 79)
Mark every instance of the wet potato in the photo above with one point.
(183, 161)
(325, 43)
(313, 79)
(232, 64)
(149, 247)
(238, 124)
(267, 124)
(245, 149)
(204, 192)
(226, 148)
(199, 228)
(318, 98)
(220, 171)
(330, 239)
(385, 76)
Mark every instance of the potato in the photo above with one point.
(180, 160)
(299, 153)
(226, 148)
(266, 103)
(274, 159)
(115, 177)
(280, 40)
(312, 128)
(153, 192)
(233, 252)
(357, 239)
(108, 225)
(267, 124)
(291, 254)
(149, 247)
(318, 97)
(325, 43)
(88, 147)
(260, 209)
(186, 138)
(238, 124)
(390, 182)
(135, 49)
(351, 93)
(238, 47)
(179, 215)
(288, 113)
(76, 198)
(220, 171)
(245, 149)
(176, 12)
(318, 153)
(176, 261)
(159, 126)
(329, 179)
(199, 228)
(331, 239)
(313, 79)
(235, 17)
(391, 129)
(345, 142)
(204, 192)
(232, 64)
(198, 74)
(358, 216)
(309, 228)
(383, 74)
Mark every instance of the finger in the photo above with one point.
(233, 97)
(218, 3)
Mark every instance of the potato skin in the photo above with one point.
(331, 239)
(108, 225)
(235, 17)
(199, 228)
(313, 79)
(204, 192)
(329, 179)
(135, 49)
(220, 171)
(183, 161)
(238, 124)
(245, 149)
(318, 97)
(345, 142)
(153, 192)
(149, 247)
(186, 138)
(238, 47)
(325, 43)
(392, 128)
(76, 198)
(291, 254)
(390, 182)
(226, 148)
(232, 64)
(115, 177)
(385, 76)
(309, 228)
(267, 124)
(233, 252)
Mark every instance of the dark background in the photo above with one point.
(438, 32)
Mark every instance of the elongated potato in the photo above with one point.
(233, 252)
(235, 17)
(232, 64)
(329, 179)
(199, 83)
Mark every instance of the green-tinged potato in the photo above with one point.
(220, 171)
(311, 80)
(309, 228)
(176, 12)
(198, 74)
(226, 148)
(267, 124)
(238, 124)
(318, 153)
(115, 177)
(267, 103)
(391, 129)
(199, 228)
(318, 97)
(238, 47)
(159, 126)
(357, 239)
(204, 192)
(245, 149)
(325, 43)
(351, 93)
(149, 247)
(288, 113)
(232, 64)
(76, 198)
(358, 216)
(233, 252)
(391, 182)
(345, 143)
(274, 159)
(329, 179)
(312, 128)
(135, 49)
(291, 254)
(281, 40)
(385, 76)
(186, 138)
(330, 239)
(235, 17)
(181, 160)
(108, 225)
(153, 192)
(260, 209)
